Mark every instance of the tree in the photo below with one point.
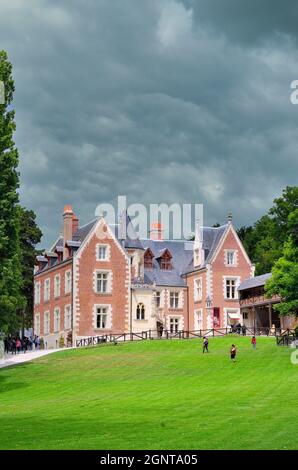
(264, 241)
(10, 272)
(30, 235)
(284, 280)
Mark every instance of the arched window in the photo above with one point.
(141, 312)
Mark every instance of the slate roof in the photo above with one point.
(211, 240)
(257, 281)
(181, 257)
(181, 251)
(124, 231)
(83, 231)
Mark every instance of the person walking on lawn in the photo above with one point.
(233, 352)
(205, 344)
(254, 342)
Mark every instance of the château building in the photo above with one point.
(96, 280)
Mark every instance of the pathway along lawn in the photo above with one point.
(153, 395)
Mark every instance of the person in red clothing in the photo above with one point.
(233, 352)
(18, 345)
(254, 342)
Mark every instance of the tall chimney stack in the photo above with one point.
(156, 231)
(68, 216)
(75, 223)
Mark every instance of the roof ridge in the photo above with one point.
(88, 223)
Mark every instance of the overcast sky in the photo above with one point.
(160, 100)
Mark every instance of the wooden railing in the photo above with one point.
(261, 299)
(180, 334)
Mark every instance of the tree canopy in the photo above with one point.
(13, 219)
(264, 241)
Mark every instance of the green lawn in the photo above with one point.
(153, 395)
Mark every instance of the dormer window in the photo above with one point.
(165, 260)
(148, 259)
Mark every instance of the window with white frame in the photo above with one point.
(101, 317)
(57, 283)
(56, 320)
(231, 258)
(37, 293)
(158, 299)
(47, 290)
(199, 319)
(67, 278)
(174, 325)
(46, 323)
(102, 279)
(174, 299)
(231, 288)
(37, 324)
(198, 289)
(67, 317)
(101, 252)
(140, 313)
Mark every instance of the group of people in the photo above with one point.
(16, 345)
(238, 328)
(233, 349)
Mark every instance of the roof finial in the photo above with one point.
(230, 217)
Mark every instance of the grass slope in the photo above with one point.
(153, 395)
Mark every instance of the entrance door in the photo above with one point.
(159, 327)
(216, 317)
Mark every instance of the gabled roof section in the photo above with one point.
(212, 237)
(222, 240)
(58, 244)
(164, 252)
(126, 234)
(83, 231)
(257, 281)
(148, 251)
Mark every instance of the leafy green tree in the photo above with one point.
(10, 272)
(264, 241)
(284, 280)
(281, 210)
(30, 236)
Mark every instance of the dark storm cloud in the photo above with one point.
(161, 100)
(247, 21)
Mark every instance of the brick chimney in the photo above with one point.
(68, 217)
(156, 231)
(75, 223)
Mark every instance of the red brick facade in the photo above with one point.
(116, 300)
(213, 278)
